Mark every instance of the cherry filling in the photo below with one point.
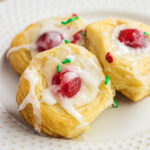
(132, 38)
(67, 83)
(77, 36)
(49, 40)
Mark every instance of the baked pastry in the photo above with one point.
(62, 91)
(123, 48)
(41, 36)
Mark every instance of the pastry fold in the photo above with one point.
(60, 116)
(24, 45)
(128, 68)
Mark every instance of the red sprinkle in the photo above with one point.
(68, 27)
(74, 15)
(109, 58)
(77, 36)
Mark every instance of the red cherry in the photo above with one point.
(68, 83)
(132, 38)
(49, 40)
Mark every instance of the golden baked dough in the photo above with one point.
(56, 115)
(129, 71)
(23, 47)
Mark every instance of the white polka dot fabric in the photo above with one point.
(14, 16)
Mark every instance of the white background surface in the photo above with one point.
(127, 127)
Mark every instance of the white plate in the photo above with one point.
(127, 127)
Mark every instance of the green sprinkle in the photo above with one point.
(58, 68)
(106, 80)
(82, 33)
(146, 33)
(115, 104)
(69, 20)
(66, 41)
(66, 61)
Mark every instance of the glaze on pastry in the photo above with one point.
(62, 91)
(123, 48)
(41, 36)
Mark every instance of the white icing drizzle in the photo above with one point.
(72, 58)
(17, 48)
(70, 76)
(48, 97)
(31, 98)
(47, 25)
(120, 49)
(67, 105)
(31, 46)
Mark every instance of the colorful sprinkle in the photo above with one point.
(70, 20)
(66, 41)
(74, 14)
(77, 36)
(82, 33)
(115, 104)
(68, 27)
(146, 33)
(109, 58)
(67, 60)
(106, 80)
(58, 68)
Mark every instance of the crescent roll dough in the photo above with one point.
(127, 66)
(62, 91)
(47, 34)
